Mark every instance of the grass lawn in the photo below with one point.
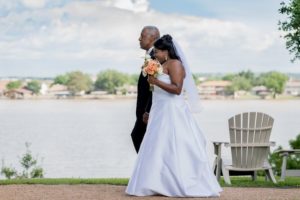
(236, 182)
(260, 182)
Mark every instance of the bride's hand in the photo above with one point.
(152, 80)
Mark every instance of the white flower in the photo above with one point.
(147, 57)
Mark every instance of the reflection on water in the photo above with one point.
(92, 138)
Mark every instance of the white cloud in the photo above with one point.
(105, 33)
(34, 3)
(133, 5)
(8, 4)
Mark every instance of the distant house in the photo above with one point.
(3, 84)
(13, 94)
(257, 90)
(292, 87)
(17, 93)
(58, 91)
(213, 88)
(129, 90)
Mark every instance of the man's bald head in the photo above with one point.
(153, 31)
(148, 36)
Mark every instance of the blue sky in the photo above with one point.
(51, 37)
(250, 12)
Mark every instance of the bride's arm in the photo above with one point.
(176, 73)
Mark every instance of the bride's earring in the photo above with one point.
(166, 58)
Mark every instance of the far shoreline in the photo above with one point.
(133, 97)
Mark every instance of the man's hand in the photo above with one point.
(145, 117)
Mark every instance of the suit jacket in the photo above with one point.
(144, 95)
(143, 104)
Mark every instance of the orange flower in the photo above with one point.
(152, 67)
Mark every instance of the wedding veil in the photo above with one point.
(189, 85)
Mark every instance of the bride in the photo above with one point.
(173, 160)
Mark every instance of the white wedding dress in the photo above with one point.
(172, 160)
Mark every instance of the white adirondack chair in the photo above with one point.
(250, 144)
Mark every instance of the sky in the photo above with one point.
(46, 38)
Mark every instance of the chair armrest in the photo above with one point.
(286, 152)
(218, 146)
(219, 142)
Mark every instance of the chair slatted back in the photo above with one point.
(249, 137)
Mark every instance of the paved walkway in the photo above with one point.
(111, 192)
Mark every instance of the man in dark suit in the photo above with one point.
(147, 38)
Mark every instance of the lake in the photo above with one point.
(91, 138)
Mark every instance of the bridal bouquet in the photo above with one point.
(153, 68)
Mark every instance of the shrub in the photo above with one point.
(293, 161)
(29, 164)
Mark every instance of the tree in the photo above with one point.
(229, 77)
(133, 79)
(275, 81)
(294, 160)
(249, 75)
(291, 26)
(78, 81)
(13, 85)
(34, 86)
(295, 144)
(109, 80)
(239, 83)
(61, 79)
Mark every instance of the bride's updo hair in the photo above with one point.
(166, 43)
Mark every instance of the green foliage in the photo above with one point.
(78, 82)
(109, 80)
(239, 83)
(13, 85)
(235, 181)
(291, 26)
(27, 161)
(34, 86)
(242, 83)
(275, 81)
(261, 182)
(293, 161)
(8, 172)
(244, 80)
(67, 181)
(276, 161)
(75, 81)
(248, 75)
(37, 172)
(295, 144)
(133, 79)
(61, 79)
(29, 164)
(229, 77)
